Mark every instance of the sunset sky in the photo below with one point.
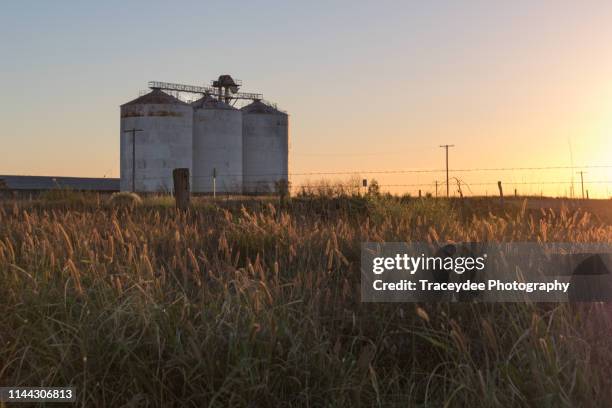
(369, 85)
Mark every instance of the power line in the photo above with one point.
(348, 154)
(415, 171)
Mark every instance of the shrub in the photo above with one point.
(125, 199)
(373, 188)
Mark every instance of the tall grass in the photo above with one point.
(258, 305)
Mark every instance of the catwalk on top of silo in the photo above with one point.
(265, 148)
(156, 137)
(217, 146)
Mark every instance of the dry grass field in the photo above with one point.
(253, 304)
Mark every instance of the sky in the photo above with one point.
(369, 85)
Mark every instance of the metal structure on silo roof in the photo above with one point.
(156, 137)
(265, 147)
(225, 89)
(217, 146)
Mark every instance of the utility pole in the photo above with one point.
(582, 182)
(447, 188)
(436, 188)
(133, 132)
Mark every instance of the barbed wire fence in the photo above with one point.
(300, 180)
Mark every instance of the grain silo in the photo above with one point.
(156, 137)
(217, 146)
(265, 147)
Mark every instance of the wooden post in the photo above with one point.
(515, 193)
(587, 192)
(501, 193)
(419, 193)
(282, 188)
(181, 188)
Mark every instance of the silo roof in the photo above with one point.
(260, 107)
(156, 96)
(208, 102)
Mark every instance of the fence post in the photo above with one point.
(501, 193)
(214, 182)
(181, 188)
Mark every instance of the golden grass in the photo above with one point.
(253, 304)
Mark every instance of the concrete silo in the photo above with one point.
(156, 137)
(217, 146)
(265, 147)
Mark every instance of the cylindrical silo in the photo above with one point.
(217, 147)
(265, 147)
(156, 137)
